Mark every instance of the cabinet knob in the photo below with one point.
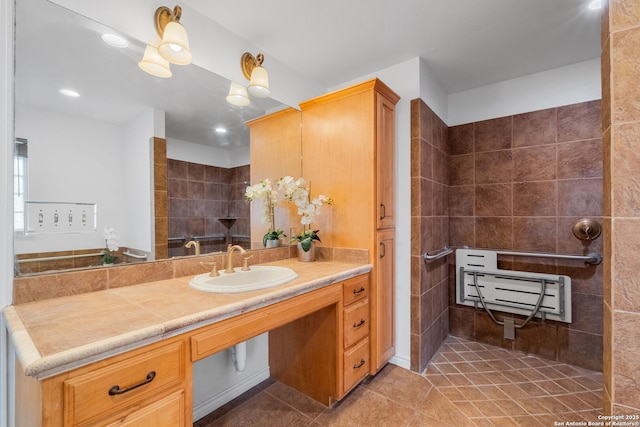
(383, 211)
(359, 365)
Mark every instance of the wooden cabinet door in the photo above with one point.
(385, 163)
(383, 302)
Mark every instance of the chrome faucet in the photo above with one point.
(192, 243)
(230, 251)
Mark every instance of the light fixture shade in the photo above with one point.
(259, 83)
(154, 64)
(174, 46)
(238, 95)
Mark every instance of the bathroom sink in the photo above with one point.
(259, 277)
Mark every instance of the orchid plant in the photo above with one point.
(112, 242)
(265, 191)
(308, 208)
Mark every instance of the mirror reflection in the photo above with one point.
(86, 118)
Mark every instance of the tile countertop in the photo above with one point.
(59, 334)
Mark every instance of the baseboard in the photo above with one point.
(401, 361)
(229, 394)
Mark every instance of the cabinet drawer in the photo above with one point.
(356, 364)
(166, 412)
(355, 289)
(116, 387)
(356, 322)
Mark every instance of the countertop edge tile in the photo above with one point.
(25, 348)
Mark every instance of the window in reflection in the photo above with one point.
(19, 183)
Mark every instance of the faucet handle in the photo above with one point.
(245, 263)
(214, 269)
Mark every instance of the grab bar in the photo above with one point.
(592, 258)
(210, 237)
(441, 253)
(60, 257)
(127, 253)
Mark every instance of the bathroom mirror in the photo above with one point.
(96, 148)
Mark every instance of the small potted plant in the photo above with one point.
(272, 238)
(304, 241)
(264, 190)
(308, 208)
(112, 240)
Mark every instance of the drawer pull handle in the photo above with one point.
(357, 325)
(115, 390)
(359, 365)
(357, 291)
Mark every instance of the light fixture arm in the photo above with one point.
(164, 15)
(248, 62)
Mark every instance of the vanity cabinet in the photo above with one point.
(348, 146)
(311, 348)
(148, 386)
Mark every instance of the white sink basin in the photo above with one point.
(259, 277)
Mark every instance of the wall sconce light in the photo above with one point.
(256, 74)
(173, 46)
(155, 64)
(258, 77)
(238, 95)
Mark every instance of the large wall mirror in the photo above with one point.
(85, 163)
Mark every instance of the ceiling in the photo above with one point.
(465, 43)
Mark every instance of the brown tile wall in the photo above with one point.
(621, 126)
(520, 183)
(429, 231)
(160, 198)
(198, 196)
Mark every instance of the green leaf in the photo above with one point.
(306, 244)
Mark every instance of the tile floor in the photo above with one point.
(465, 384)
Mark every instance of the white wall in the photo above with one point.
(186, 151)
(137, 171)
(77, 160)
(214, 47)
(215, 381)
(561, 86)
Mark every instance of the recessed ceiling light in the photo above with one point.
(595, 5)
(221, 130)
(69, 92)
(115, 40)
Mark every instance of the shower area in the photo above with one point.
(206, 204)
(516, 183)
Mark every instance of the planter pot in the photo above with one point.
(104, 264)
(306, 256)
(273, 243)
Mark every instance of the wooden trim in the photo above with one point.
(269, 117)
(223, 334)
(373, 84)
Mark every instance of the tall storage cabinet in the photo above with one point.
(348, 151)
(275, 153)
